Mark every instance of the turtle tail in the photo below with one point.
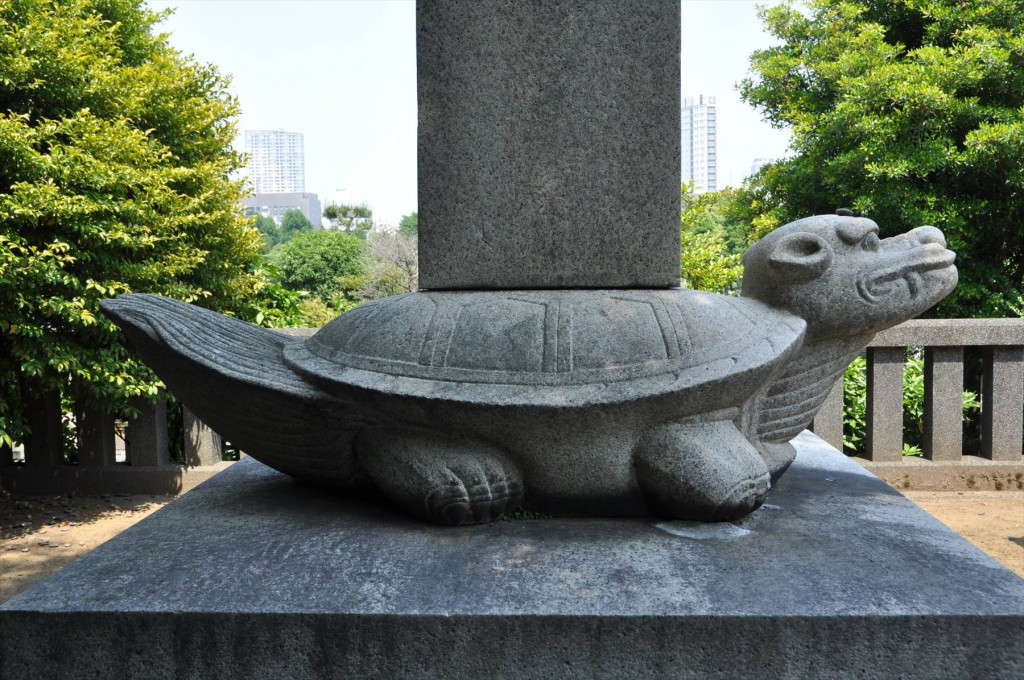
(232, 375)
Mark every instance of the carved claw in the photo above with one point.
(440, 479)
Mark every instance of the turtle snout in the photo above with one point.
(926, 235)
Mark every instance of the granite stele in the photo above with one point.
(587, 384)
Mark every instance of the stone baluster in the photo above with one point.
(95, 433)
(884, 439)
(146, 435)
(1002, 402)
(44, 445)
(828, 423)
(943, 403)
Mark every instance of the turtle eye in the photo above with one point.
(870, 241)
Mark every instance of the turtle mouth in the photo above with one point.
(881, 283)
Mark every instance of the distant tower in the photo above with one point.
(277, 174)
(700, 163)
(277, 161)
(759, 163)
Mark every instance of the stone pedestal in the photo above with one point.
(256, 576)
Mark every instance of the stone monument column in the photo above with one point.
(548, 144)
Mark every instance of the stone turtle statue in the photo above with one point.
(462, 406)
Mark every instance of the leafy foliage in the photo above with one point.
(706, 260)
(910, 112)
(409, 225)
(115, 177)
(293, 222)
(328, 264)
(351, 219)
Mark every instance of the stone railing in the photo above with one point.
(138, 463)
(1000, 342)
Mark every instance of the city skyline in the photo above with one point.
(355, 99)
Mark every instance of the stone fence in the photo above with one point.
(142, 464)
(130, 458)
(997, 347)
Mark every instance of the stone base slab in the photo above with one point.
(256, 576)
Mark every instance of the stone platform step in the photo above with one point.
(254, 576)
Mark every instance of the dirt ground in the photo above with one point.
(991, 520)
(39, 535)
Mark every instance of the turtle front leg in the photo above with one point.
(438, 478)
(704, 471)
(778, 456)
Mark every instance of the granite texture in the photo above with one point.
(942, 439)
(549, 152)
(834, 272)
(254, 575)
(1002, 430)
(460, 406)
(952, 332)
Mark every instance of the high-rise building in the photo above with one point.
(759, 163)
(277, 174)
(277, 161)
(700, 164)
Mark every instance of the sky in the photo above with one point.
(343, 72)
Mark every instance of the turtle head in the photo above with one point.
(834, 272)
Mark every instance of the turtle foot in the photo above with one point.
(701, 471)
(440, 479)
(778, 456)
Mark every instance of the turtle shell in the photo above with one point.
(551, 348)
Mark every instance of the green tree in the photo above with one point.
(328, 264)
(293, 222)
(706, 260)
(409, 225)
(115, 177)
(351, 219)
(272, 234)
(910, 112)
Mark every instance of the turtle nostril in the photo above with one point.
(926, 235)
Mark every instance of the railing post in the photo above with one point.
(146, 436)
(884, 437)
(943, 403)
(44, 445)
(828, 423)
(1002, 402)
(202, 445)
(95, 432)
